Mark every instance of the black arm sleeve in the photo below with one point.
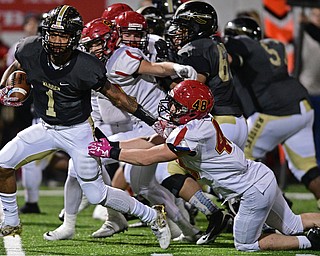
(313, 31)
(144, 115)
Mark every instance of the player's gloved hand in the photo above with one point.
(100, 148)
(163, 128)
(184, 71)
(8, 101)
(159, 126)
(162, 50)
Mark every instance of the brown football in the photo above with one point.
(21, 89)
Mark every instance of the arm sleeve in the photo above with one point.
(237, 50)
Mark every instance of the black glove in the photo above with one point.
(162, 49)
(99, 134)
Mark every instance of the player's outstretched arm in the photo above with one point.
(163, 69)
(137, 156)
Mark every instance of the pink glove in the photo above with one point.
(100, 148)
(8, 101)
(163, 128)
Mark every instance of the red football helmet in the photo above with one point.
(99, 31)
(188, 100)
(114, 10)
(133, 22)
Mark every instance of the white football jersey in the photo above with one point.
(216, 160)
(122, 69)
(152, 52)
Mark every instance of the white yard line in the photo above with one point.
(13, 246)
(306, 255)
(44, 192)
(300, 196)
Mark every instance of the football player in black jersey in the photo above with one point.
(63, 77)
(281, 113)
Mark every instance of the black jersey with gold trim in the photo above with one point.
(209, 58)
(263, 71)
(62, 96)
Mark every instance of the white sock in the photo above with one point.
(304, 242)
(145, 213)
(70, 221)
(10, 209)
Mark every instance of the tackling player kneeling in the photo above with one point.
(199, 144)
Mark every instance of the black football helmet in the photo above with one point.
(243, 26)
(192, 20)
(63, 19)
(167, 7)
(155, 19)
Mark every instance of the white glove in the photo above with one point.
(185, 71)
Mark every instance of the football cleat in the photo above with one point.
(61, 233)
(160, 228)
(111, 227)
(10, 231)
(100, 213)
(30, 208)
(314, 237)
(217, 223)
(190, 239)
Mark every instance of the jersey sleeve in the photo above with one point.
(123, 64)
(237, 50)
(179, 141)
(92, 71)
(27, 48)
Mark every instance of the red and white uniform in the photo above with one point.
(222, 164)
(122, 69)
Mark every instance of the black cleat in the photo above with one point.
(314, 237)
(217, 223)
(30, 208)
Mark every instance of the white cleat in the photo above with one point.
(61, 233)
(109, 228)
(115, 223)
(100, 212)
(160, 228)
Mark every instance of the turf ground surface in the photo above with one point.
(136, 241)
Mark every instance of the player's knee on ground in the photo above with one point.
(247, 247)
(174, 183)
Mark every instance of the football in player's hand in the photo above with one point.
(21, 89)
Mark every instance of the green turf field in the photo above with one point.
(136, 241)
